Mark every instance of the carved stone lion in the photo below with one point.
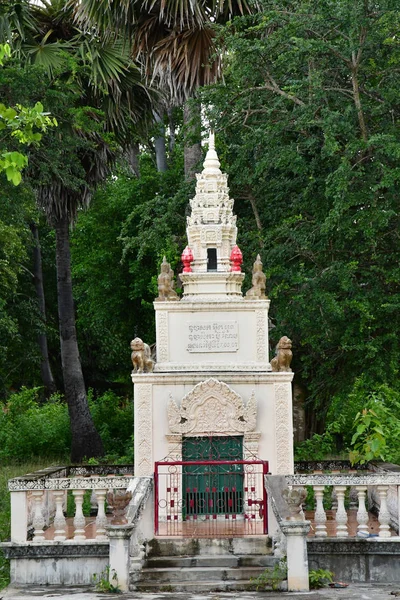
(141, 356)
(283, 358)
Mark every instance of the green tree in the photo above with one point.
(92, 89)
(21, 124)
(309, 116)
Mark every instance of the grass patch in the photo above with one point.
(6, 473)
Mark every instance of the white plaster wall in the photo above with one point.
(172, 324)
(57, 571)
(266, 415)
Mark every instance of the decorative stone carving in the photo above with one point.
(212, 407)
(283, 358)
(261, 349)
(295, 499)
(141, 356)
(119, 500)
(162, 336)
(211, 223)
(283, 430)
(143, 430)
(346, 479)
(54, 551)
(166, 284)
(258, 281)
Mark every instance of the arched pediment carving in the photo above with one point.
(212, 407)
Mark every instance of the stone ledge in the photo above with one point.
(236, 376)
(353, 546)
(55, 550)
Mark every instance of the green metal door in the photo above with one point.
(209, 488)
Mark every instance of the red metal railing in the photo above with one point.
(216, 498)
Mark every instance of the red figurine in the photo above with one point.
(236, 259)
(187, 258)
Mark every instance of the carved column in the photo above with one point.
(262, 335)
(60, 524)
(101, 519)
(79, 519)
(283, 429)
(38, 519)
(362, 514)
(341, 514)
(144, 465)
(384, 515)
(162, 336)
(320, 515)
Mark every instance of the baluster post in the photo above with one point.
(384, 515)
(341, 514)
(101, 519)
(19, 516)
(79, 519)
(320, 515)
(60, 524)
(362, 513)
(38, 519)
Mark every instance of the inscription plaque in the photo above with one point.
(213, 336)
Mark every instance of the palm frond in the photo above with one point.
(186, 60)
(48, 55)
(15, 20)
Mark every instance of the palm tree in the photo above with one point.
(175, 41)
(97, 90)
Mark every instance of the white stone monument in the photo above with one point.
(212, 375)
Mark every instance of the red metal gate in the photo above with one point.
(217, 498)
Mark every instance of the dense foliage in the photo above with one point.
(307, 124)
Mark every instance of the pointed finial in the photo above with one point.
(211, 140)
(211, 163)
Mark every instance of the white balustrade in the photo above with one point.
(60, 523)
(341, 513)
(384, 515)
(39, 501)
(320, 514)
(357, 485)
(101, 519)
(79, 519)
(38, 518)
(362, 513)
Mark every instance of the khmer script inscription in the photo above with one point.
(213, 336)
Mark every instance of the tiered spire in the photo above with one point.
(212, 224)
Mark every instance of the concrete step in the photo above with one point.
(222, 560)
(199, 586)
(172, 575)
(253, 545)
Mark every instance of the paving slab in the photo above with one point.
(354, 591)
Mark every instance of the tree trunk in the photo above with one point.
(172, 129)
(192, 151)
(45, 368)
(86, 442)
(159, 143)
(131, 155)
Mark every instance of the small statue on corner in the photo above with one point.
(258, 281)
(166, 283)
(141, 357)
(283, 357)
